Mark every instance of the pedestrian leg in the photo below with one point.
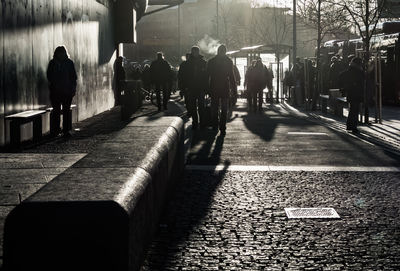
(254, 102)
(166, 92)
(201, 105)
(67, 118)
(158, 96)
(224, 114)
(352, 118)
(193, 111)
(214, 112)
(55, 117)
(260, 99)
(249, 100)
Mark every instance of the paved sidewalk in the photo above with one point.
(386, 134)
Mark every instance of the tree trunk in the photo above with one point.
(366, 59)
(319, 71)
(278, 59)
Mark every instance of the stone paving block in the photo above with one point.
(35, 160)
(255, 234)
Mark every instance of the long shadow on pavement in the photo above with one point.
(189, 206)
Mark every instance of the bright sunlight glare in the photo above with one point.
(270, 3)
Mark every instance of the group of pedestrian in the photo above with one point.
(216, 78)
(257, 78)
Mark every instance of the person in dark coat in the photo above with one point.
(257, 81)
(221, 80)
(288, 82)
(62, 78)
(195, 78)
(334, 70)
(120, 77)
(248, 90)
(182, 76)
(146, 77)
(234, 95)
(160, 74)
(298, 75)
(352, 81)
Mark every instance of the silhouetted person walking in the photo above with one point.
(62, 78)
(120, 77)
(160, 74)
(352, 81)
(146, 79)
(221, 79)
(248, 87)
(196, 83)
(256, 83)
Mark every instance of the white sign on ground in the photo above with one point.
(311, 213)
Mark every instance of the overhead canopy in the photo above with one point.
(260, 49)
(165, 2)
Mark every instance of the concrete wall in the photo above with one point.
(30, 30)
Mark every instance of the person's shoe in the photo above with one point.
(67, 135)
(222, 132)
(355, 131)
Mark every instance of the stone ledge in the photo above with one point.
(100, 213)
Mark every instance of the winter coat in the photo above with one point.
(258, 78)
(195, 75)
(352, 81)
(221, 76)
(62, 78)
(160, 72)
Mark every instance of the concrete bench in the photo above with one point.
(16, 120)
(100, 214)
(324, 102)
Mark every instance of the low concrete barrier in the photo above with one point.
(100, 214)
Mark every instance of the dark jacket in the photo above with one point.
(237, 75)
(221, 76)
(62, 77)
(160, 72)
(334, 71)
(182, 75)
(195, 75)
(352, 82)
(258, 78)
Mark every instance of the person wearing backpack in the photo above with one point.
(62, 78)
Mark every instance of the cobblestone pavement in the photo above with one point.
(236, 221)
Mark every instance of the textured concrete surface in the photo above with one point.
(21, 175)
